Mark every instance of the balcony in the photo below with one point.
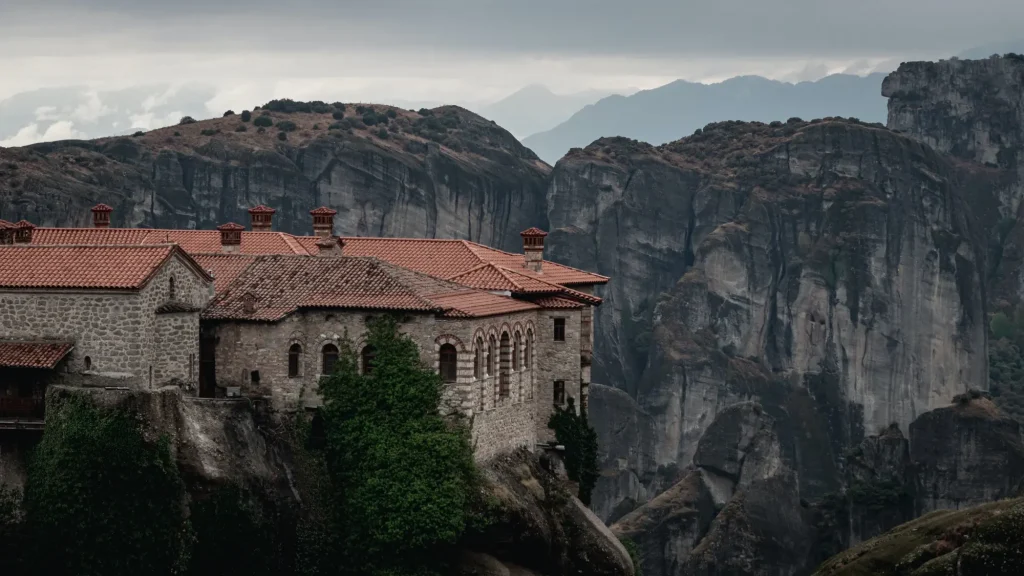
(21, 412)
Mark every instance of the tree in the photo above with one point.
(263, 121)
(100, 499)
(404, 475)
(186, 120)
(580, 440)
(229, 113)
(246, 115)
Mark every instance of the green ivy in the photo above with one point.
(235, 534)
(403, 474)
(580, 440)
(100, 499)
(634, 555)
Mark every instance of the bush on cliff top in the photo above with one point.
(263, 122)
(100, 499)
(403, 475)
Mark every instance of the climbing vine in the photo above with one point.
(573, 431)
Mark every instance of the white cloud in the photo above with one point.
(63, 130)
(92, 109)
(150, 120)
(45, 113)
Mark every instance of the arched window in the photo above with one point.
(170, 288)
(490, 356)
(88, 363)
(506, 357)
(478, 361)
(368, 355)
(515, 353)
(330, 359)
(294, 357)
(528, 352)
(449, 363)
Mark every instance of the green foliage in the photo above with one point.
(100, 499)
(580, 440)
(263, 122)
(228, 113)
(1006, 362)
(288, 106)
(186, 120)
(392, 114)
(11, 534)
(383, 134)
(209, 132)
(137, 134)
(241, 128)
(425, 112)
(995, 548)
(634, 555)
(261, 130)
(403, 475)
(282, 136)
(338, 106)
(882, 494)
(177, 134)
(246, 115)
(286, 126)
(370, 118)
(235, 534)
(338, 114)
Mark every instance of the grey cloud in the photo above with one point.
(810, 28)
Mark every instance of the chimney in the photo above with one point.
(231, 237)
(23, 232)
(533, 249)
(261, 217)
(323, 221)
(330, 246)
(101, 216)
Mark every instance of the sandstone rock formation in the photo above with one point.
(828, 269)
(448, 173)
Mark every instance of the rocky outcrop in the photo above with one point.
(444, 173)
(830, 270)
(542, 529)
(737, 510)
(973, 110)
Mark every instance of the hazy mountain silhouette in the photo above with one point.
(536, 108)
(677, 109)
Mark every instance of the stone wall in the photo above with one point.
(254, 357)
(115, 332)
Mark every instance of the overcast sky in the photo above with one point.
(464, 50)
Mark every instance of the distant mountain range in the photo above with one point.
(675, 110)
(535, 108)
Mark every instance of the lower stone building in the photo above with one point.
(122, 315)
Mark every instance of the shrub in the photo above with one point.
(580, 440)
(425, 112)
(336, 126)
(391, 113)
(634, 555)
(263, 121)
(228, 113)
(177, 133)
(241, 128)
(403, 476)
(234, 534)
(338, 114)
(370, 118)
(246, 115)
(383, 134)
(209, 132)
(286, 126)
(186, 120)
(362, 109)
(282, 136)
(137, 134)
(261, 130)
(316, 126)
(100, 499)
(338, 106)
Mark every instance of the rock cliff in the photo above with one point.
(830, 270)
(439, 173)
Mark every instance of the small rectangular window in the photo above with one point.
(559, 392)
(559, 329)
(254, 376)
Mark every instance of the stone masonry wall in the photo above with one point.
(172, 340)
(499, 424)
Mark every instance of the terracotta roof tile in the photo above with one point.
(556, 302)
(534, 232)
(223, 267)
(281, 285)
(4, 225)
(323, 211)
(102, 208)
(24, 224)
(230, 226)
(261, 209)
(33, 354)
(191, 241)
(112, 267)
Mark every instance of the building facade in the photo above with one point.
(265, 315)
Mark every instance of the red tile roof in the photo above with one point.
(230, 226)
(33, 354)
(281, 285)
(533, 232)
(261, 209)
(4, 224)
(102, 208)
(223, 267)
(442, 258)
(323, 211)
(106, 267)
(557, 302)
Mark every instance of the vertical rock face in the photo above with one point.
(829, 270)
(973, 110)
(480, 185)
